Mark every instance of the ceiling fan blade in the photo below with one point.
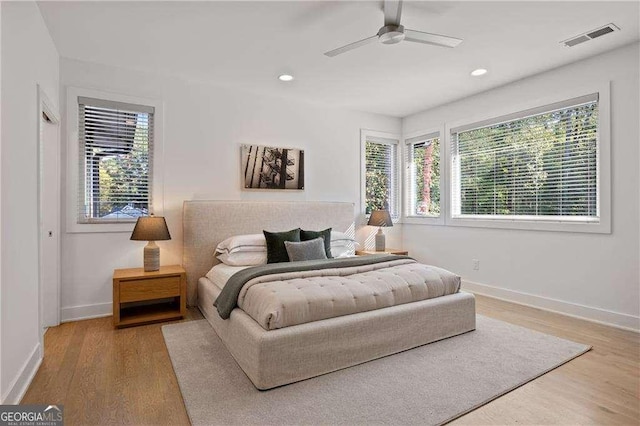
(392, 12)
(351, 46)
(428, 38)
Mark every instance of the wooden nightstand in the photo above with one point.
(141, 297)
(387, 251)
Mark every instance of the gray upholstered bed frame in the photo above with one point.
(273, 358)
(206, 223)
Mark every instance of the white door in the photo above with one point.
(49, 221)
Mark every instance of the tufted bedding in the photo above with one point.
(285, 299)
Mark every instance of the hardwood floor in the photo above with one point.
(104, 375)
(107, 376)
(599, 387)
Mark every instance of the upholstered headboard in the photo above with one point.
(206, 223)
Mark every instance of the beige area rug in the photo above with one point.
(431, 384)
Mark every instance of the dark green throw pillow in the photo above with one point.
(276, 251)
(312, 235)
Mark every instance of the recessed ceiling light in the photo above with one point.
(285, 77)
(478, 72)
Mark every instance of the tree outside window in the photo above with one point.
(424, 177)
(543, 165)
(381, 177)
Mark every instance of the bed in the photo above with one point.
(286, 354)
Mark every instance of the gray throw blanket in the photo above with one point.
(228, 298)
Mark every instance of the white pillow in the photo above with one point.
(343, 251)
(243, 243)
(341, 239)
(243, 258)
(341, 245)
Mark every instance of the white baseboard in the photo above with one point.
(589, 313)
(82, 312)
(21, 383)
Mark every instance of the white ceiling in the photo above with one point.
(248, 44)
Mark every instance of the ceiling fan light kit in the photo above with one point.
(393, 33)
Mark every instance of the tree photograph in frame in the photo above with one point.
(265, 167)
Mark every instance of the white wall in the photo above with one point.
(29, 58)
(591, 275)
(1, 207)
(203, 128)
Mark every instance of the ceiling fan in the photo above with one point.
(393, 32)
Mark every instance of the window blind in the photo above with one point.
(540, 164)
(116, 155)
(381, 159)
(422, 175)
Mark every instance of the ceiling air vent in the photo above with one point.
(590, 35)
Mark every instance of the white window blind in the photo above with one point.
(381, 162)
(116, 155)
(422, 175)
(540, 164)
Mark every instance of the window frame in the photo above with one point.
(73, 157)
(603, 166)
(425, 220)
(364, 135)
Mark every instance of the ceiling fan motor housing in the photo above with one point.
(391, 34)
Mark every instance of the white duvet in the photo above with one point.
(220, 274)
(282, 300)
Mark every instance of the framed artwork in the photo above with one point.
(266, 167)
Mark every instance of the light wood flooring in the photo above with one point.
(107, 376)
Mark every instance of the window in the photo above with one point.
(115, 159)
(381, 174)
(537, 165)
(422, 162)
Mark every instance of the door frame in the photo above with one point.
(47, 107)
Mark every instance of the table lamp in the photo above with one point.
(151, 228)
(380, 218)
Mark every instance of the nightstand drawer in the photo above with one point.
(149, 288)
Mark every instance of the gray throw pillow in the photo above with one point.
(312, 235)
(306, 250)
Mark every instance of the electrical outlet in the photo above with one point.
(476, 264)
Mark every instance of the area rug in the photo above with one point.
(431, 384)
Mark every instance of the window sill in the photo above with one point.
(423, 220)
(601, 227)
(80, 228)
